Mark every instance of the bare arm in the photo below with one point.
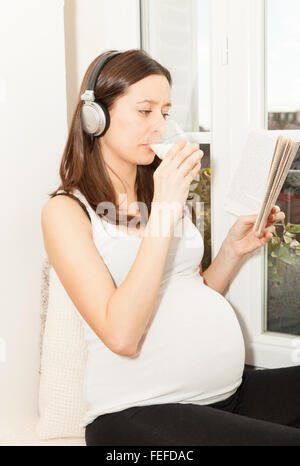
(222, 269)
(240, 241)
(118, 316)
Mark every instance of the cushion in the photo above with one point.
(24, 434)
(61, 402)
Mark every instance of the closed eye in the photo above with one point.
(145, 112)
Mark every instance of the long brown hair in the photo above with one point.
(83, 167)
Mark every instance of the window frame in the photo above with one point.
(238, 90)
(238, 103)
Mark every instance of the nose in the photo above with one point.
(160, 127)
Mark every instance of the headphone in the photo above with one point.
(94, 115)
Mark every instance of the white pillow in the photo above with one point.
(63, 361)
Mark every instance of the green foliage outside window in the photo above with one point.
(201, 191)
(283, 251)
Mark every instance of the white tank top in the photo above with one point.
(192, 350)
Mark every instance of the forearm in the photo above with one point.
(131, 305)
(222, 268)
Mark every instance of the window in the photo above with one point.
(246, 57)
(282, 64)
(177, 34)
(282, 307)
(203, 64)
(244, 93)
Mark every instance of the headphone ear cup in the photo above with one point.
(95, 118)
(106, 118)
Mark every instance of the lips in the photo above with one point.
(147, 145)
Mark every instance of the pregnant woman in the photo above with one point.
(166, 356)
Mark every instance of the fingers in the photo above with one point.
(271, 229)
(187, 157)
(276, 215)
(265, 239)
(247, 219)
(266, 232)
(191, 175)
(178, 146)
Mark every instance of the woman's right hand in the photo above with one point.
(173, 177)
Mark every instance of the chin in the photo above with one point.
(148, 162)
(145, 159)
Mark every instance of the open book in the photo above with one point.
(260, 174)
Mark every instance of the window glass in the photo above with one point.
(202, 187)
(173, 43)
(283, 64)
(283, 260)
(283, 105)
(204, 64)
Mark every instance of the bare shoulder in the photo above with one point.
(64, 211)
(72, 252)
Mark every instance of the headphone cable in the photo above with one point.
(91, 142)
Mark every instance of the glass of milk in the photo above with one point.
(171, 135)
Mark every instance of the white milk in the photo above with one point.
(161, 149)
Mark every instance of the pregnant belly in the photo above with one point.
(195, 339)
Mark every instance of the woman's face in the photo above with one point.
(138, 119)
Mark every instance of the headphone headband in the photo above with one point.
(92, 80)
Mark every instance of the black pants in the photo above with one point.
(265, 410)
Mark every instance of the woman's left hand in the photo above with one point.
(241, 239)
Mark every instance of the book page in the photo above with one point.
(292, 149)
(280, 149)
(246, 190)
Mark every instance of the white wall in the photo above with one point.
(33, 118)
(92, 27)
(33, 123)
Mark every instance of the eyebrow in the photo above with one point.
(167, 104)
